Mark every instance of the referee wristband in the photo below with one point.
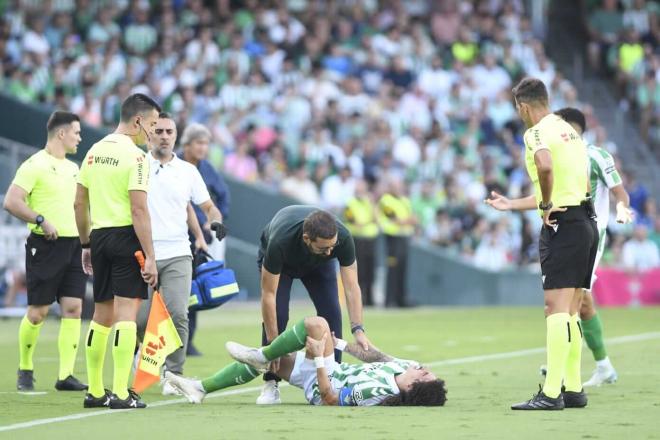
(319, 362)
(356, 328)
(84, 245)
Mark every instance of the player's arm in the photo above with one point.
(543, 161)
(81, 210)
(269, 282)
(623, 212)
(503, 203)
(15, 204)
(316, 348)
(353, 295)
(195, 228)
(214, 217)
(368, 356)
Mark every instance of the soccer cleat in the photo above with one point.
(168, 389)
(25, 380)
(270, 394)
(131, 402)
(575, 399)
(97, 402)
(602, 375)
(70, 384)
(189, 388)
(541, 402)
(248, 355)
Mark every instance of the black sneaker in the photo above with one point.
(541, 402)
(98, 402)
(70, 384)
(25, 380)
(575, 399)
(131, 402)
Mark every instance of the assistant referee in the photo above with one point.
(557, 163)
(42, 194)
(112, 196)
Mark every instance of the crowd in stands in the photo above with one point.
(308, 97)
(624, 38)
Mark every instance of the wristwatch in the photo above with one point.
(39, 219)
(546, 207)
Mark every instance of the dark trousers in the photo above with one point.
(365, 253)
(397, 263)
(321, 285)
(192, 326)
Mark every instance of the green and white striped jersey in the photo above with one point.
(364, 384)
(604, 176)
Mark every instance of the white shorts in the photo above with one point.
(303, 375)
(602, 238)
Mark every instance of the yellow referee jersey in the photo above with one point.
(569, 160)
(113, 167)
(50, 184)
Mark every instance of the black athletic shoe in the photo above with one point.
(131, 402)
(575, 399)
(192, 351)
(70, 384)
(541, 402)
(98, 402)
(25, 380)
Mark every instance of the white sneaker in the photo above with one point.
(189, 388)
(270, 394)
(602, 375)
(168, 389)
(248, 355)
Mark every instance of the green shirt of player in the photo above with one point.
(569, 160)
(50, 184)
(284, 250)
(113, 167)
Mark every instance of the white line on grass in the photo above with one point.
(463, 360)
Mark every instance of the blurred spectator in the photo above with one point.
(604, 25)
(640, 253)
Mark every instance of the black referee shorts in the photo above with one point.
(53, 269)
(116, 271)
(568, 250)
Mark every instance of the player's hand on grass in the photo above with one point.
(149, 272)
(624, 215)
(546, 216)
(50, 233)
(87, 261)
(316, 347)
(362, 340)
(498, 201)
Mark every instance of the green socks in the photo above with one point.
(27, 341)
(593, 334)
(573, 380)
(558, 346)
(97, 340)
(292, 339)
(233, 374)
(67, 345)
(123, 349)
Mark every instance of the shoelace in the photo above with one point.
(133, 394)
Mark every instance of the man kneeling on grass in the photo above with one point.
(382, 380)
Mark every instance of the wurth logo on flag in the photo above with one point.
(153, 347)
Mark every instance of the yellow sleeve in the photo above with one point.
(138, 179)
(27, 176)
(83, 175)
(536, 139)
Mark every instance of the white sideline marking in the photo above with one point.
(465, 360)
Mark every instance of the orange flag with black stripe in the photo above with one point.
(160, 339)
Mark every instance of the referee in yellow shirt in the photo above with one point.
(112, 196)
(42, 194)
(557, 163)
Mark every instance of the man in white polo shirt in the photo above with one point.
(175, 183)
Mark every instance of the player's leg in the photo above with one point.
(322, 287)
(28, 334)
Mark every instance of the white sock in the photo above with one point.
(262, 356)
(604, 363)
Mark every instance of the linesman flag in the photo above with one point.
(160, 339)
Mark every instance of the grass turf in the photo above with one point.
(480, 391)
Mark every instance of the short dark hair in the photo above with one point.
(59, 118)
(431, 393)
(135, 104)
(530, 90)
(570, 114)
(320, 224)
(165, 115)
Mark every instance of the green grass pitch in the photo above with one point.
(490, 358)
